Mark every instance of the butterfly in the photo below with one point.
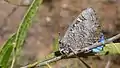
(83, 32)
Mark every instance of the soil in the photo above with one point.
(54, 17)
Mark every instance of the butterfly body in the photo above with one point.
(83, 32)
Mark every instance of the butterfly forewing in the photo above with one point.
(83, 32)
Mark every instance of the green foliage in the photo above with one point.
(26, 22)
(6, 51)
(55, 44)
(111, 49)
(13, 44)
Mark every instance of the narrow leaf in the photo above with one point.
(26, 22)
(6, 51)
(17, 39)
(24, 26)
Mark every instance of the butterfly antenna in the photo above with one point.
(59, 37)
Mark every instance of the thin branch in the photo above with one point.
(105, 42)
(81, 53)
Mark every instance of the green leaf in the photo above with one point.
(55, 48)
(6, 51)
(55, 44)
(111, 49)
(24, 26)
(26, 22)
(13, 44)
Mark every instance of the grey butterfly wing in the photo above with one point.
(83, 32)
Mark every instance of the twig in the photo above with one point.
(105, 42)
(72, 54)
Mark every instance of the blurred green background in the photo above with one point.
(55, 16)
